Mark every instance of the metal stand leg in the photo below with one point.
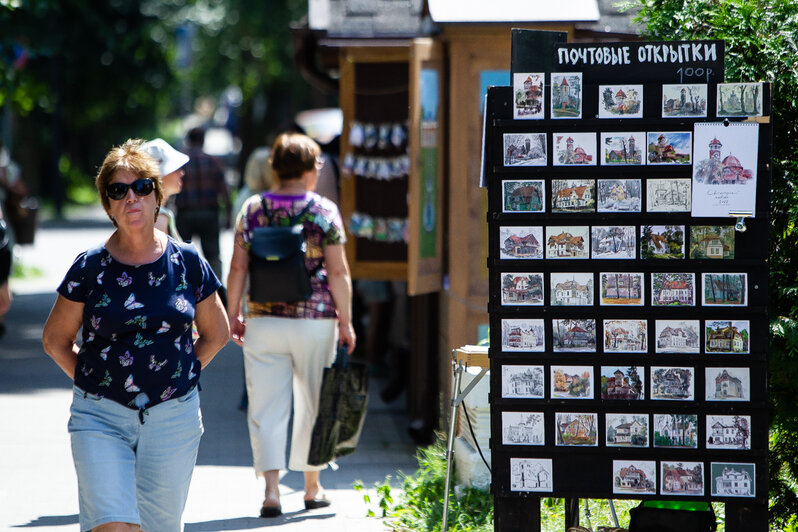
(456, 376)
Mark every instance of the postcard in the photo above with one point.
(620, 101)
(523, 382)
(684, 100)
(528, 95)
(739, 99)
(567, 242)
(729, 432)
(572, 289)
(634, 477)
(571, 382)
(732, 479)
(625, 336)
(672, 383)
(577, 335)
(619, 149)
(524, 195)
(576, 429)
(725, 289)
(622, 383)
(668, 195)
(531, 474)
(626, 430)
(678, 431)
(724, 173)
(525, 149)
(522, 288)
(523, 428)
(662, 242)
(566, 95)
(520, 242)
(523, 335)
(678, 336)
(574, 149)
(619, 195)
(727, 336)
(614, 242)
(673, 289)
(621, 288)
(573, 195)
(712, 242)
(728, 384)
(681, 478)
(670, 147)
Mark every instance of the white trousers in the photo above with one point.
(281, 355)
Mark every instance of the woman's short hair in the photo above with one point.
(258, 172)
(128, 156)
(293, 154)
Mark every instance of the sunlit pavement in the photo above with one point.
(38, 488)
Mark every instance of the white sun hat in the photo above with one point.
(169, 159)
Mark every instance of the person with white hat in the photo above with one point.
(170, 163)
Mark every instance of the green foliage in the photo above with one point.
(761, 45)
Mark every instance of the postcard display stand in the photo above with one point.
(629, 328)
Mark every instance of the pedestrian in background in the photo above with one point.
(170, 164)
(5, 272)
(257, 177)
(135, 421)
(198, 204)
(288, 345)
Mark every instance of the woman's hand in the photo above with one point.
(346, 336)
(238, 328)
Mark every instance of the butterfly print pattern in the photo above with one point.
(132, 304)
(124, 280)
(126, 359)
(156, 281)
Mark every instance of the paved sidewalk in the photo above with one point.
(38, 489)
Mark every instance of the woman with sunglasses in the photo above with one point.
(135, 421)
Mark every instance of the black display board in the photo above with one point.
(609, 378)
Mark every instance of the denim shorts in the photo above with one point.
(134, 472)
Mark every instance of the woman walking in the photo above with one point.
(287, 345)
(135, 421)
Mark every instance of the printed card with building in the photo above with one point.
(634, 477)
(566, 95)
(673, 289)
(573, 195)
(729, 432)
(574, 335)
(531, 474)
(619, 195)
(520, 242)
(522, 288)
(622, 383)
(523, 335)
(626, 430)
(727, 336)
(727, 384)
(625, 336)
(620, 101)
(621, 288)
(681, 478)
(525, 149)
(523, 382)
(572, 289)
(676, 431)
(684, 101)
(739, 99)
(732, 479)
(572, 382)
(523, 428)
(672, 383)
(524, 196)
(623, 149)
(576, 429)
(712, 242)
(574, 149)
(614, 242)
(567, 242)
(678, 336)
(529, 91)
(662, 242)
(669, 195)
(724, 289)
(670, 147)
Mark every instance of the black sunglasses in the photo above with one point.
(141, 187)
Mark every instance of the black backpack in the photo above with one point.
(277, 269)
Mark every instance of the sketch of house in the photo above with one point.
(676, 291)
(574, 197)
(675, 430)
(671, 383)
(633, 478)
(526, 198)
(566, 245)
(665, 152)
(726, 339)
(680, 480)
(734, 482)
(625, 335)
(626, 431)
(576, 336)
(522, 246)
(619, 386)
(667, 195)
(729, 431)
(677, 338)
(523, 428)
(522, 289)
(713, 247)
(530, 474)
(728, 386)
(621, 286)
(526, 383)
(572, 293)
